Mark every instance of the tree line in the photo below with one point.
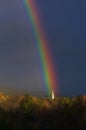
(31, 113)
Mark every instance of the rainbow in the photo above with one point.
(47, 67)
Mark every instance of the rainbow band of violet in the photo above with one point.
(48, 72)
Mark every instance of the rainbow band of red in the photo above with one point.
(49, 76)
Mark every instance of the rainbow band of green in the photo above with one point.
(41, 43)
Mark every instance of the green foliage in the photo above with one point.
(26, 103)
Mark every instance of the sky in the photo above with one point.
(64, 23)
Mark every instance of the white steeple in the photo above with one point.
(52, 94)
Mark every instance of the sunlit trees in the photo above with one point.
(28, 112)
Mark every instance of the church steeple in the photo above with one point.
(53, 95)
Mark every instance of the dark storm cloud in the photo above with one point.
(67, 35)
(18, 61)
(65, 25)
